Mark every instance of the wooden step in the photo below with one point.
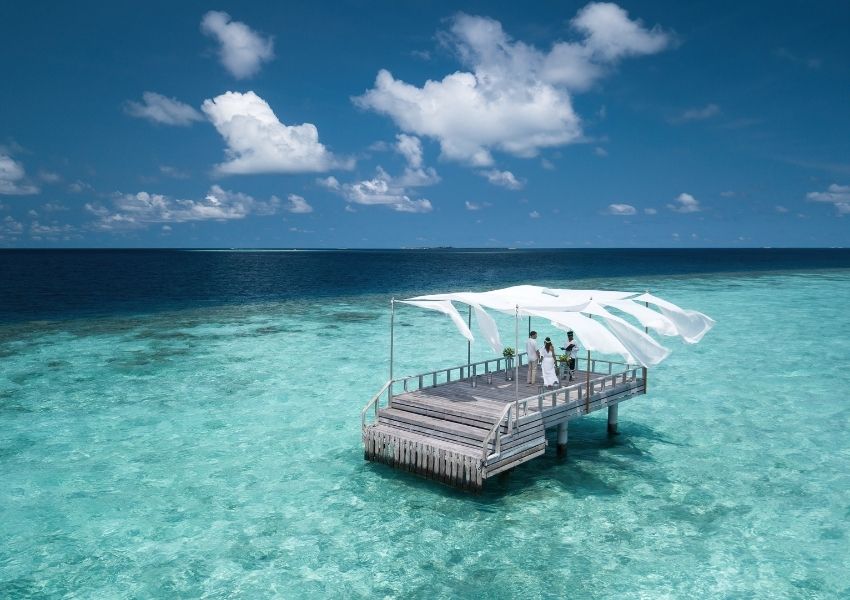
(423, 424)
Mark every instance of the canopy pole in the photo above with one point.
(392, 326)
(529, 325)
(516, 363)
(587, 395)
(469, 346)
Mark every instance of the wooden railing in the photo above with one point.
(375, 401)
(421, 381)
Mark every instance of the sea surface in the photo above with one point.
(186, 424)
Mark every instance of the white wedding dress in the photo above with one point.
(550, 377)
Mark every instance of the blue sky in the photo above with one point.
(397, 124)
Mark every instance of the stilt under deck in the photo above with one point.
(443, 427)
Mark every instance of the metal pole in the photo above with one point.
(587, 396)
(392, 326)
(646, 329)
(644, 369)
(516, 361)
(469, 346)
(529, 325)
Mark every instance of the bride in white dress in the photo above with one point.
(550, 377)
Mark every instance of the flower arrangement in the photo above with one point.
(564, 358)
(508, 352)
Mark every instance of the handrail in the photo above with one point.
(374, 401)
(461, 368)
(497, 431)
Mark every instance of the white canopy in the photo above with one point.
(574, 310)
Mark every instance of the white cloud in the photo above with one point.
(173, 172)
(696, 114)
(13, 178)
(49, 176)
(332, 183)
(728, 194)
(780, 209)
(257, 142)
(534, 214)
(382, 190)
(298, 205)
(160, 109)
(78, 187)
(10, 227)
(139, 210)
(837, 195)
(504, 179)
(515, 98)
(476, 205)
(685, 203)
(242, 50)
(39, 230)
(600, 151)
(547, 164)
(621, 209)
(414, 175)
(650, 211)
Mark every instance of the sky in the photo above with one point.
(408, 124)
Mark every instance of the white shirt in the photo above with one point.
(531, 349)
(573, 352)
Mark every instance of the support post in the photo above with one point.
(392, 327)
(516, 362)
(612, 419)
(587, 395)
(562, 438)
(469, 346)
(529, 325)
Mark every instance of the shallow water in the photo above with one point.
(216, 452)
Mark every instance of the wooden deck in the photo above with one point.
(461, 435)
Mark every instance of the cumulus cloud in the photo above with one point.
(504, 179)
(837, 195)
(381, 190)
(415, 174)
(49, 176)
(257, 142)
(650, 211)
(696, 114)
(9, 227)
(476, 205)
(13, 178)
(514, 97)
(241, 49)
(685, 203)
(130, 211)
(160, 109)
(621, 209)
(534, 214)
(78, 187)
(298, 205)
(173, 172)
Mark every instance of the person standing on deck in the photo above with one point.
(571, 350)
(533, 356)
(550, 377)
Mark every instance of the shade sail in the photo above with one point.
(573, 309)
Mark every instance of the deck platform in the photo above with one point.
(462, 434)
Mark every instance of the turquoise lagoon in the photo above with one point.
(215, 452)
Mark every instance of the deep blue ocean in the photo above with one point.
(184, 424)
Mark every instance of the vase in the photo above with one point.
(509, 368)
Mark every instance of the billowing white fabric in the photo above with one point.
(447, 308)
(507, 299)
(643, 348)
(610, 334)
(592, 334)
(690, 324)
(646, 316)
(487, 327)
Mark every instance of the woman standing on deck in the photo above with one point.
(550, 377)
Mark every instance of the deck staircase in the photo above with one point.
(448, 443)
